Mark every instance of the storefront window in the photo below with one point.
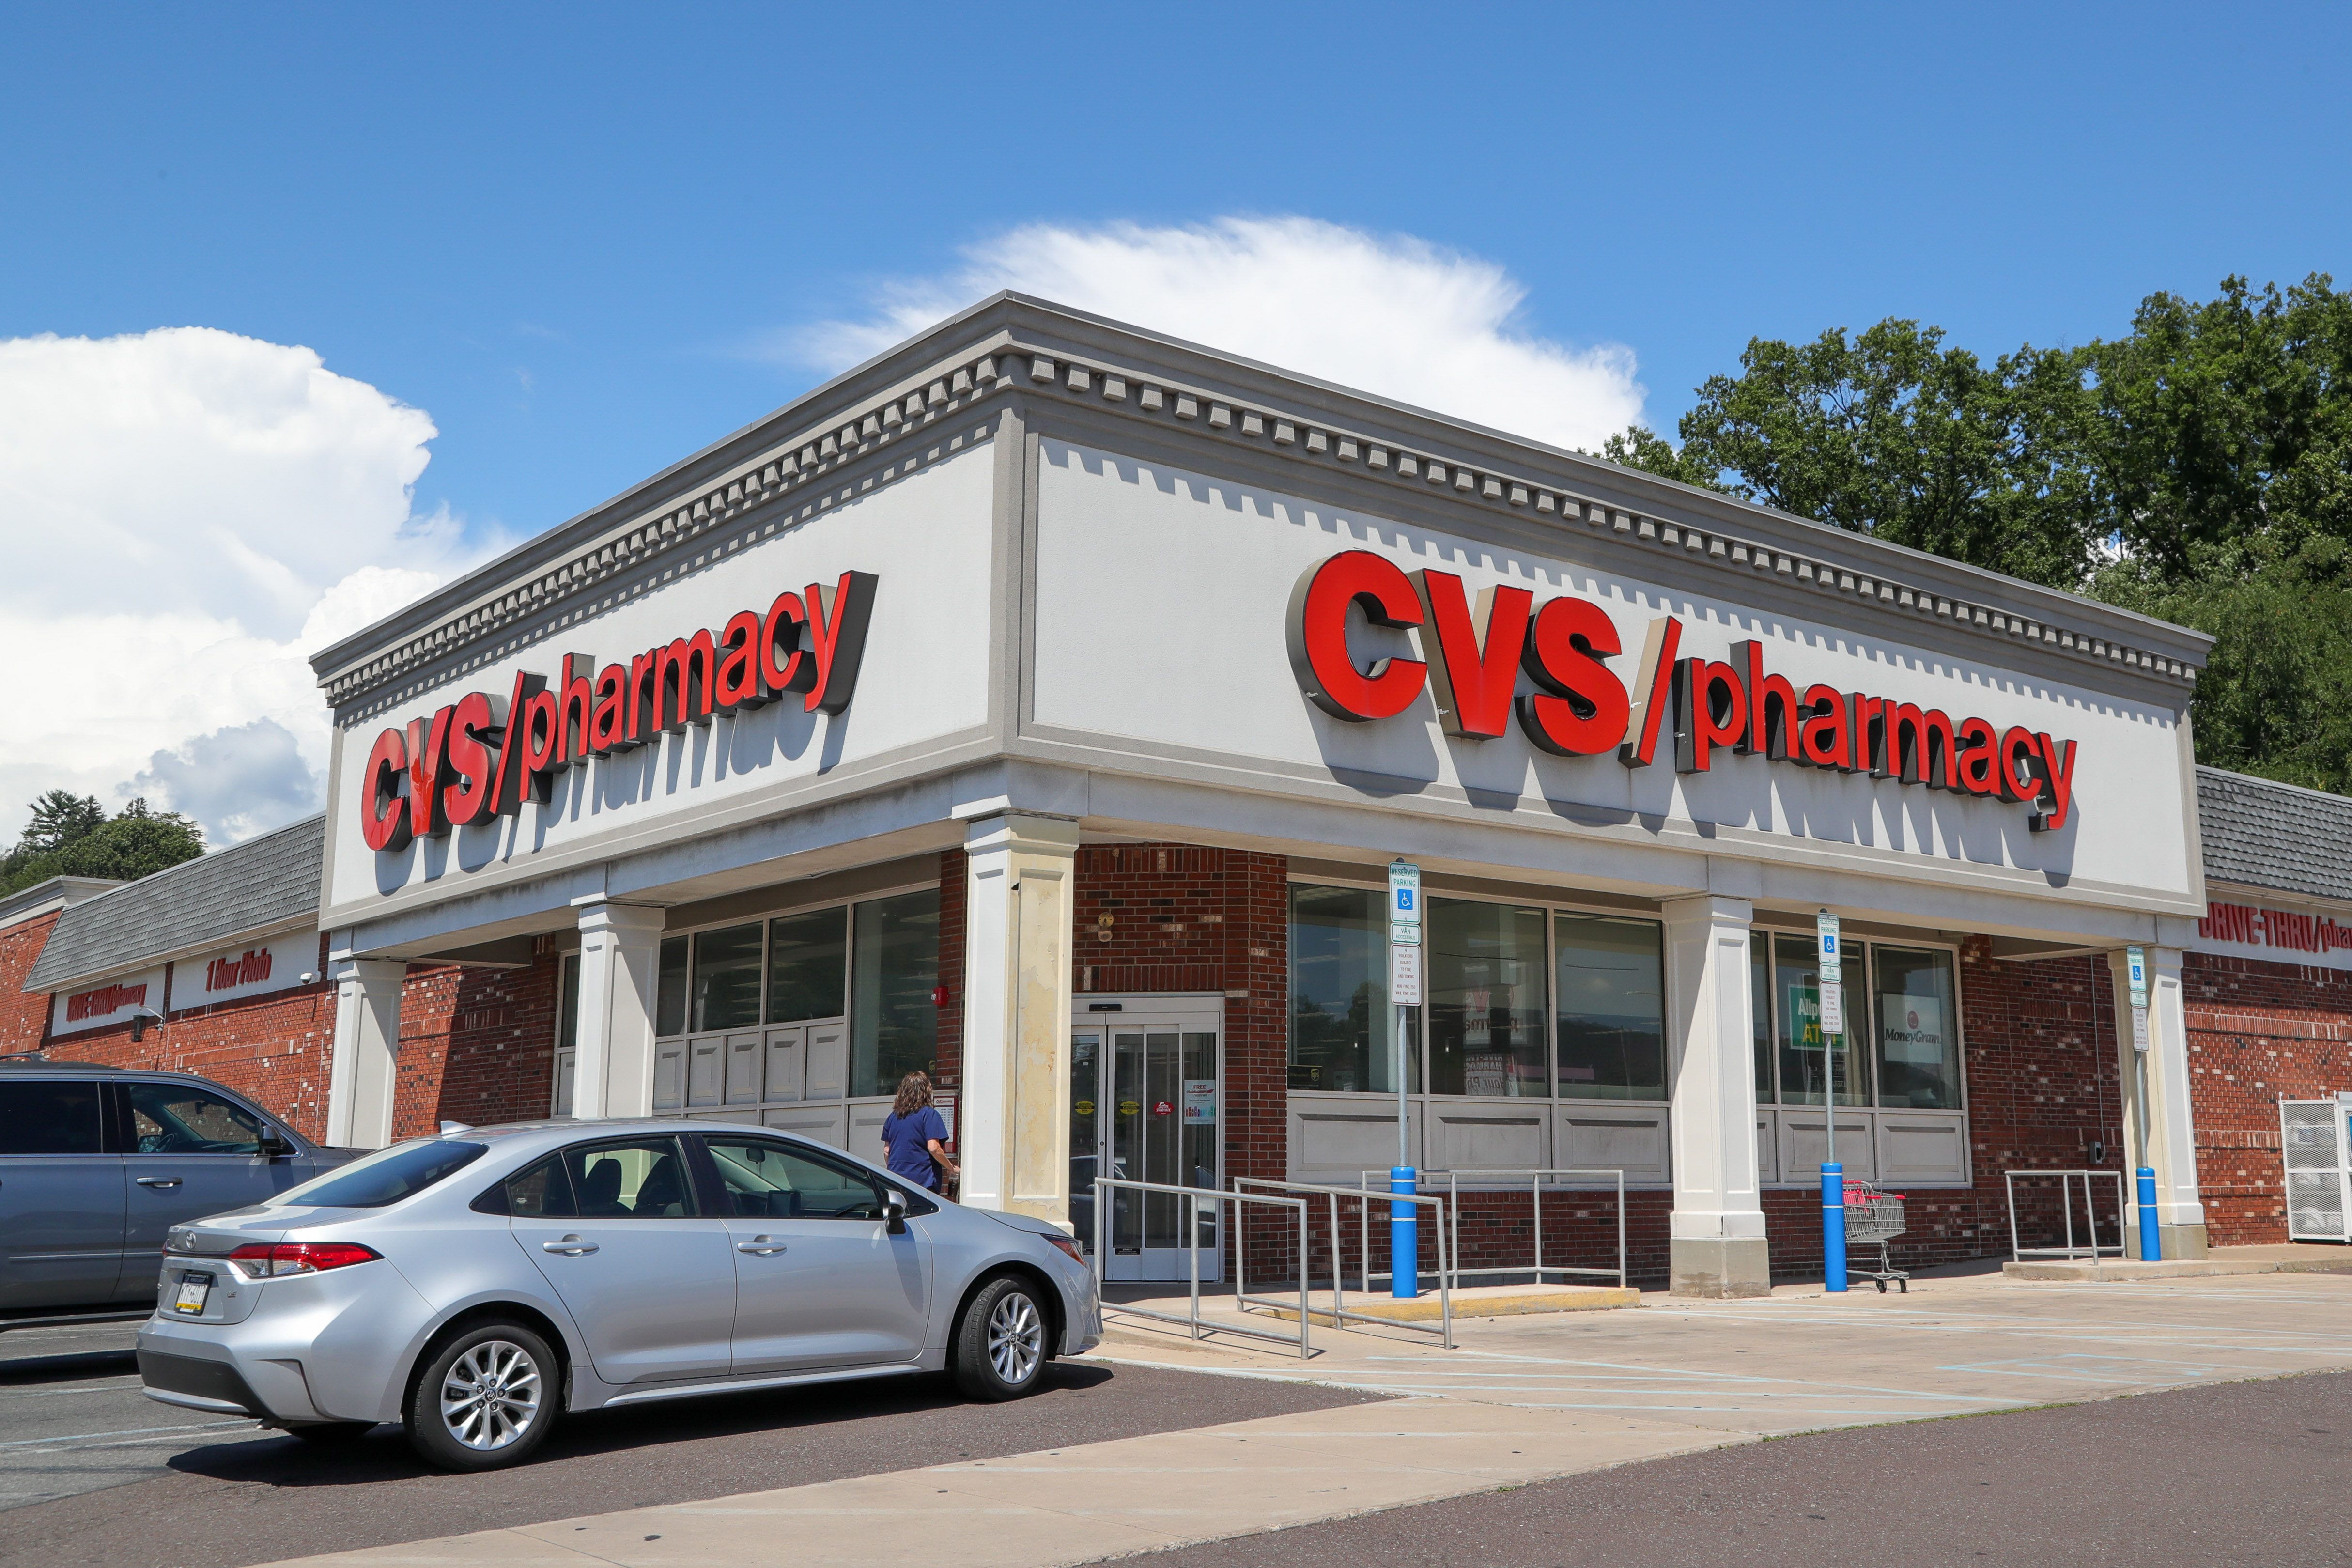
(669, 997)
(1918, 1034)
(1759, 971)
(567, 1004)
(807, 962)
(1485, 983)
(894, 1025)
(727, 978)
(1806, 1064)
(1612, 1033)
(1342, 1029)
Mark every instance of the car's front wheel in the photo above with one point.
(1002, 1346)
(485, 1399)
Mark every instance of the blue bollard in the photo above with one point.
(1405, 1238)
(2152, 1244)
(1833, 1227)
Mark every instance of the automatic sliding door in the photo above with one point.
(1162, 1092)
(1085, 1130)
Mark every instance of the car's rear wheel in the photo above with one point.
(1003, 1343)
(485, 1399)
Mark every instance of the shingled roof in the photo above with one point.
(2260, 833)
(218, 897)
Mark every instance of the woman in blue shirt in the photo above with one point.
(917, 1137)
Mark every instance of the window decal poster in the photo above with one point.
(1911, 1028)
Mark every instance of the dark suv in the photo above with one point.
(96, 1162)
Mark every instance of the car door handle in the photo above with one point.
(159, 1181)
(761, 1246)
(570, 1246)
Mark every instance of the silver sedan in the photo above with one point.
(475, 1285)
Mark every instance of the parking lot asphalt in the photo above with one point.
(112, 1479)
(72, 1418)
(2239, 1473)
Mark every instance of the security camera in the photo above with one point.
(140, 1019)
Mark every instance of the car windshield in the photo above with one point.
(386, 1176)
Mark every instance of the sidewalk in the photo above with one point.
(1524, 1398)
(2283, 1257)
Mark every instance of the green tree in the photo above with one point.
(137, 841)
(2198, 468)
(1892, 433)
(58, 818)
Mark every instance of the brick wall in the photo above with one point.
(2258, 1031)
(1189, 917)
(953, 896)
(273, 1049)
(2040, 1044)
(24, 1015)
(2040, 1057)
(476, 1046)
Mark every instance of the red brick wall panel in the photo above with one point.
(24, 1015)
(274, 1049)
(2258, 1032)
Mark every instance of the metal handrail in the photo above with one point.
(1192, 1197)
(2066, 1201)
(1536, 1176)
(1339, 1312)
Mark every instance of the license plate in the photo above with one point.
(194, 1288)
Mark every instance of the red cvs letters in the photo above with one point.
(483, 756)
(1473, 654)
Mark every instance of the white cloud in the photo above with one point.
(1386, 314)
(185, 513)
(238, 781)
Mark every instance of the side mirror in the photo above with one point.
(273, 1147)
(894, 1214)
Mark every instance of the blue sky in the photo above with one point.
(588, 239)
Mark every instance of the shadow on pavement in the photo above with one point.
(384, 1454)
(65, 1367)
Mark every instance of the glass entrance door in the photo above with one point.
(1144, 1104)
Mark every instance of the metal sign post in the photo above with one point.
(1405, 990)
(2151, 1241)
(1831, 969)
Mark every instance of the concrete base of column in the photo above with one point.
(1741, 1266)
(2178, 1241)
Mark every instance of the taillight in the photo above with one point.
(263, 1260)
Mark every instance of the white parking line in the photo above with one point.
(126, 1432)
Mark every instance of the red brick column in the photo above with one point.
(476, 1046)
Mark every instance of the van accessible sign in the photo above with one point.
(1580, 707)
(482, 756)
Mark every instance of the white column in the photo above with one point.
(1716, 1230)
(362, 1075)
(1016, 1142)
(2158, 1083)
(620, 966)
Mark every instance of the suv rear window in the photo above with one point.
(49, 1116)
(387, 1175)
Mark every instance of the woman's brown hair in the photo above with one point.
(914, 1093)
